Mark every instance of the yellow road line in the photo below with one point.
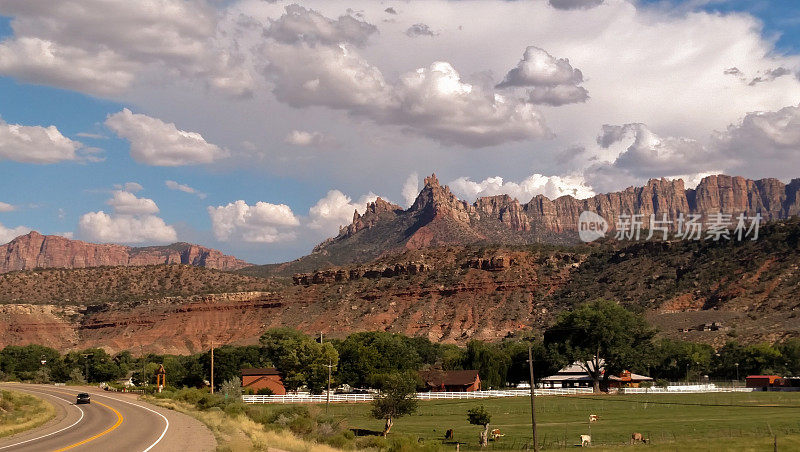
(110, 429)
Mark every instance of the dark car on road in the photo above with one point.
(83, 398)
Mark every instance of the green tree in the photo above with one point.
(790, 352)
(366, 357)
(479, 416)
(676, 360)
(300, 359)
(601, 334)
(397, 398)
(25, 362)
(491, 362)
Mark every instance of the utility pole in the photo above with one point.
(533, 400)
(212, 367)
(328, 396)
(144, 379)
(86, 357)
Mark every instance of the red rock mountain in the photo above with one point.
(439, 218)
(35, 250)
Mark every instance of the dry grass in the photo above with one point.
(240, 433)
(20, 412)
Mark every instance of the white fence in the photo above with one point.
(309, 398)
(687, 389)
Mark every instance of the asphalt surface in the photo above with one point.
(111, 422)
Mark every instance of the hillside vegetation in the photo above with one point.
(104, 284)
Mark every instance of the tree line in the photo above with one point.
(598, 330)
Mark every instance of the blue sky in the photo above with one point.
(268, 170)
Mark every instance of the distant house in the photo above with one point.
(261, 378)
(451, 380)
(575, 376)
(762, 381)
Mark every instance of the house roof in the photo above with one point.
(260, 371)
(576, 372)
(449, 377)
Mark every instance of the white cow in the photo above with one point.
(586, 440)
(593, 418)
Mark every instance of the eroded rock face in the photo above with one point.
(437, 217)
(35, 250)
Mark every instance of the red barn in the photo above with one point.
(451, 380)
(762, 381)
(261, 378)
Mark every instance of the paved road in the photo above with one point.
(112, 422)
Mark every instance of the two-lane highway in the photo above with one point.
(112, 421)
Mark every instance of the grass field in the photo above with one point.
(20, 412)
(717, 421)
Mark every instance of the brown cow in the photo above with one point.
(638, 438)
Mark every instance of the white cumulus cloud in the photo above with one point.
(104, 46)
(133, 221)
(335, 210)
(9, 234)
(102, 227)
(155, 142)
(536, 184)
(6, 207)
(262, 222)
(410, 189)
(126, 203)
(35, 144)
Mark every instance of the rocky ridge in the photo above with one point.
(439, 218)
(34, 250)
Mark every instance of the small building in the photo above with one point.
(762, 381)
(451, 380)
(575, 376)
(263, 378)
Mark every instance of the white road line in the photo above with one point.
(166, 421)
(52, 433)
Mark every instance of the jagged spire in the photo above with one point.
(431, 181)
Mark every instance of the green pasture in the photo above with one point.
(715, 421)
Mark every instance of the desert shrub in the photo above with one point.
(209, 400)
(372, 442)
(235, 408)
(411, 444)
(343, 440)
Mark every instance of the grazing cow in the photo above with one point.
(593, 418)
(450, 434)
(586, 440)
(496, 434)
(638, 438)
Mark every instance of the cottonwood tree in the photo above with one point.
(601, 335)
(397, 398)
(300, 359)
(479, 416)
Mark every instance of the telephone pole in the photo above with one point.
(533, 400)
(212, 367)
(328, 396)
(141, 351)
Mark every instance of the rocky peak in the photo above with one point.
(435, 200)
(372, 215)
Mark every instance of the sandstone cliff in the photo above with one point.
(35, 250)
(438, 218)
